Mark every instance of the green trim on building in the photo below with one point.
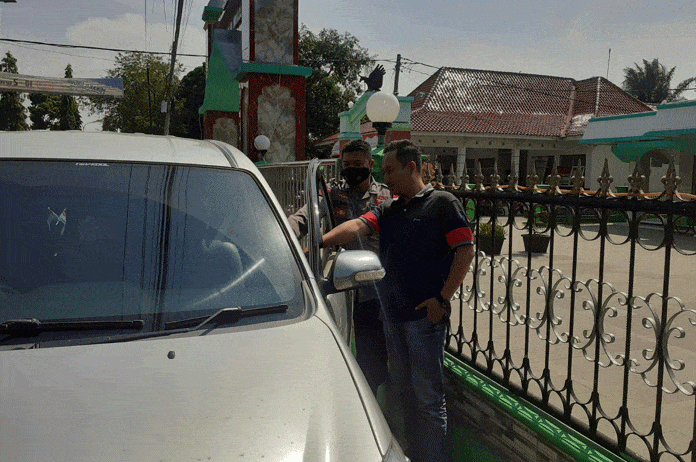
(675, 105)
(631, 152)
(221, 90)
(623, 139)
(679, 132)
(265, 68)
(211, 13)
(547, 427)
(350, 136)
(625, 116)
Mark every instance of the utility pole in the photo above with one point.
(171, 67)
(396, 74)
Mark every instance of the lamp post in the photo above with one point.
(262, 143)
(382, 109)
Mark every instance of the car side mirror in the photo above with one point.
(355, 268)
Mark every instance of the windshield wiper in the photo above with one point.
(30, 327)
(225, 316)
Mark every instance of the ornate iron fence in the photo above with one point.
(598, 329)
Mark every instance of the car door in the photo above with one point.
(321, 220)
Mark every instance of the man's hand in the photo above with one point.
(436, 312)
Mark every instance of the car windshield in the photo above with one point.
(117, 241)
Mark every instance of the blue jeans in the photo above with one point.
(416, 365)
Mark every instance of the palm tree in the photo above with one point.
(652, 82)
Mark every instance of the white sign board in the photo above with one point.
(74, 87)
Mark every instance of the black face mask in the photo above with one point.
(355, 175)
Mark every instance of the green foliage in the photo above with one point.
(186, 122)
(68, 111)
(144, 88)
(55, 112)
(486, 230)
(12, 111)
(652, 82)
(43, 111)
(336, 61)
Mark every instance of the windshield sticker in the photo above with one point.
(91, 164)
(55, 221)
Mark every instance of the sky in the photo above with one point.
(566, 39)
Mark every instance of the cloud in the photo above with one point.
(128, 32)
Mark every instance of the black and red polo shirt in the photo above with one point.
(416, 247)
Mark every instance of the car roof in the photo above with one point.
(111, 146)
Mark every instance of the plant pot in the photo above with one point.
(536, 243)
(487, 245)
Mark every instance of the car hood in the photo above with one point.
(277, 394)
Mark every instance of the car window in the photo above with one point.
(82, 240)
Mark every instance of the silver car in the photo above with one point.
(155, 306)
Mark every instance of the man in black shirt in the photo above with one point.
(426, 247)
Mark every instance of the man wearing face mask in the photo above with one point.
(357, 195)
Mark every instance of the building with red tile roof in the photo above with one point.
(461, 116)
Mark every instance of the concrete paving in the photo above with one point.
(651, 276)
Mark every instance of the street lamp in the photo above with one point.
(262, 143)
(382, 109)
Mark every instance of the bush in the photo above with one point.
(486, 230)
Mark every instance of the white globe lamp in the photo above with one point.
(262, 143)
(382, 109)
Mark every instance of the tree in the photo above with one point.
(55, 112)
(12, 111)
(144, 85)
(336, 61)
(652, 82)
(186, 121)
(43, 111)
(68, 111)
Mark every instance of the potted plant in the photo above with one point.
(534, 241)
(490, 238)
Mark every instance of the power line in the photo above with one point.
(87, 47)
(66, 54)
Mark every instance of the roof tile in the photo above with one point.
(492, 102)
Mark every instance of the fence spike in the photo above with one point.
(451, 179)
(636, 182)
(578, 180)
(495, 178)
(464, 180)
(532, 181)
(512, 178)
(425, 171)
(605, 180)
(671, 181)
(554, 180)
(478, 178)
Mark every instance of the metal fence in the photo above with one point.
(287, 180)
(598, 329)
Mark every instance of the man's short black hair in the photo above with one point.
(406, 152)
(360, 146)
